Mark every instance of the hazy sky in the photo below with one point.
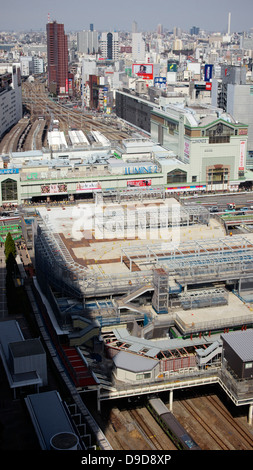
(211, 15)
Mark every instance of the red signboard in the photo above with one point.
(242, 155)
(208, 86)
(139, 183)
(143, 70)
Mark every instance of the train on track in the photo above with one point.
(170, 425)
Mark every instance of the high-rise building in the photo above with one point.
(10, 99)
(110, 46)
(234, 95)
(57, 58)
(138, 47)
(87, 42)
(134, 27)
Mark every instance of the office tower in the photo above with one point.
(229, 23)
(138, 47)
(91, 27)
(87, 42)
(134, 27)
(194, 31)
(110, 46)
(160, 29)
(57, 58)
(10, 99)
(234, 95)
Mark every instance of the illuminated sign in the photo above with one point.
(143, 70)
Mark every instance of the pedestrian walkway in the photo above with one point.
(3, 302)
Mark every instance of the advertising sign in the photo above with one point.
(171, 67)
(208, 72)
(9, 171)
(242, 155)
(160, 82)
(54, 188)
(88, 186)
(187, 149)
(208, 86)
(143, 70)
(139, 183)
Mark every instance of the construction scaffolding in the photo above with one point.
(200, 299)
(131, 194)
(196, 261)
(55, 266)
(160, 298)
(122, 221)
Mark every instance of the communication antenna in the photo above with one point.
(48, 17)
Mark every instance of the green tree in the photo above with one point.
(9, 247)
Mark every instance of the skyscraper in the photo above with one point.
(57, 58)
(87, 42)
(110, 46)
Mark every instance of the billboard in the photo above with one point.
(87, 186)
(54, 188)
(171, 67)
(208, 72)
(139, 183)
(143, 70)
(160, 82)
(242, 155)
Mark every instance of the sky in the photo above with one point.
(118, 15)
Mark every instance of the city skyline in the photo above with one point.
(119, 16)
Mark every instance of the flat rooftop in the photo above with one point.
(100, 250)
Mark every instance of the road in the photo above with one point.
(244, 199)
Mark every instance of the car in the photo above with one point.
(213, 209)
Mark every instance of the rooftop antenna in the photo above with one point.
(48, 17)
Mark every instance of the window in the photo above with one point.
(218, 175)
(143, 376)
(176, 176)
(9, 190)
(249, 365)
(194, 179)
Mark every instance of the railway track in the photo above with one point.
(36, 100)
(206, 426)
(239, 429)
(146, 429)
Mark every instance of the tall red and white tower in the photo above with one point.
(57, 58)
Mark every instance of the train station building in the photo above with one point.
(187, 152)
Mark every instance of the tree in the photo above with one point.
(9, 247)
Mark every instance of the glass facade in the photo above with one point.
(9, 190)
